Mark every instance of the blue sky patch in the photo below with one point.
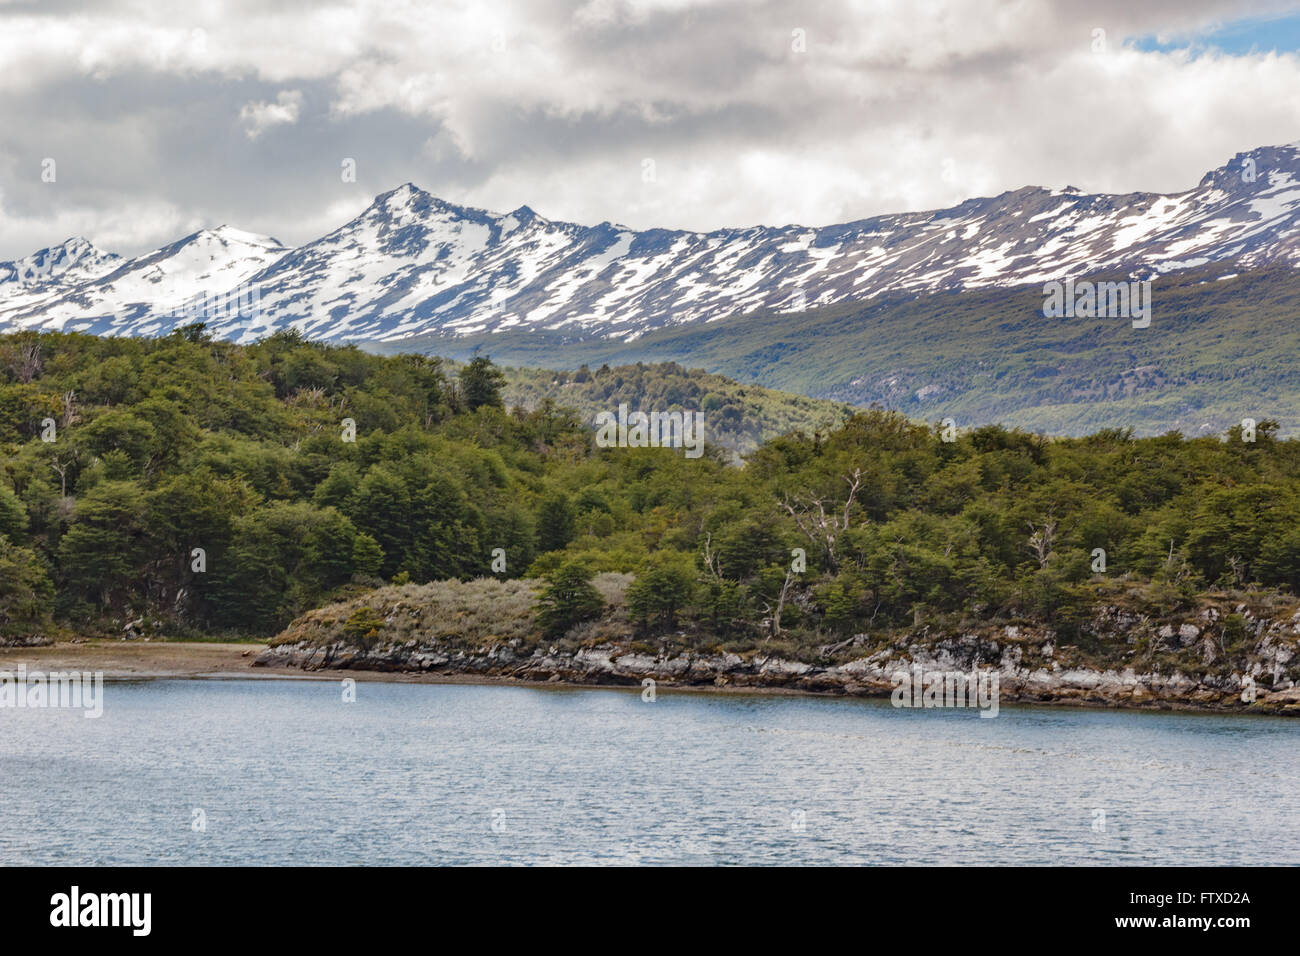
(1280, 34)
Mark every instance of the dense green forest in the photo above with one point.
(183, 487)
(1220, 348)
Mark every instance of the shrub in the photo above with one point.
(362, 624)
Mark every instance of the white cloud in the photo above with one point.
(259, 117)
(894, 105)
(134, 224)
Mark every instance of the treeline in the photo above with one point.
(187, 486)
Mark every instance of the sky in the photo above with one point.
(155, 119)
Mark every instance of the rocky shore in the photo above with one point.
(1030, 669)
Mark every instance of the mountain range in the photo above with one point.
(412, 265)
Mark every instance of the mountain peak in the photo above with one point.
(76, 258)
(406, 189)
(78, 244)
(404, 194)
(409, 203)
(412, 264)
(409, 198)
(226, 235)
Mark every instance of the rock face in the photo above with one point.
(1030, 665)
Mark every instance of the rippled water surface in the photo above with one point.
(286, 772)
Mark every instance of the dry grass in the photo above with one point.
(613, 588)
(460, 614)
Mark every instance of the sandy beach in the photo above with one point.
(126, 660)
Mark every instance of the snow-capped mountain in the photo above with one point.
(148, 294)
(68, 262)
(412, 264)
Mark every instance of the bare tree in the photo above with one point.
(822, 520)
(1237, 565)
(774, 613)
(1042, 539)
(28, 363)
(61, 468)
(710, 558)
(69, 415)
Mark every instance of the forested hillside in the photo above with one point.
(1219, 349)
(740, 417)
(124, 456)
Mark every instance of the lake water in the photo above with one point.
(286, 772)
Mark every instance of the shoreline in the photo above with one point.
(129, 661)
(118, 662)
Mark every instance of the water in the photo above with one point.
(285, 772)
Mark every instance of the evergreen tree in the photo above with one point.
(661, 590)
(480, 384)
(26, 594)
(554, 522)
(568, 599)
(367, 556)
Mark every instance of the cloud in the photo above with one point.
(135, 224)
(751, 110)
(259, 117)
